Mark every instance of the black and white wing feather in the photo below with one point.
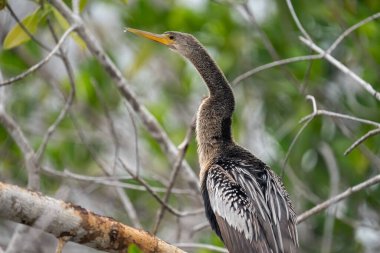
(251, 211)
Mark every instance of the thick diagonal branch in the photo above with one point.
(75, 223)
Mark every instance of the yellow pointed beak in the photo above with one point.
(160, 38)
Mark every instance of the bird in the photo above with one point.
(245, 202)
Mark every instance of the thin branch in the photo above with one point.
(305, 57)
(350, 30)
(129, 207)
(110, 181)
(306, 123)
(41, 63)
(267, 43)
(292, 145)
(199, 227)
(362, 139)
(148, 120)
(123, 196)
(75, 223)
(19, 138)
(301, 187)
(182, 151)
(367, 86)
(110, 123)
(296, 20)
(317, 112)
(50, 131)
(322, 206)
(136, 140)
(251, 72)
(334, 177)
(155, 196)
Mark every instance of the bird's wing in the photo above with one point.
(244, 228)
(271, 200)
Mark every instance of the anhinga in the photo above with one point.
(245, 201)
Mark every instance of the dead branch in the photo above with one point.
(362, 139)
(79, 225)
(258, 69)
(183, 149)
(18, 136)
(322, 206)
(367, 86)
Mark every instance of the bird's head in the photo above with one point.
(182, 43)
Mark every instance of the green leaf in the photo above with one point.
(18, 36)
(65, 25)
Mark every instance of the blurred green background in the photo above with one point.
(240, 35)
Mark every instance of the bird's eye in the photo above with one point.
(171, 37)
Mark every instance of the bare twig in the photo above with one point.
(340, 115)
(199, 227)
(296, 20)
(129, 208)
(28, 153)
(362, 139)
(182, 151)
(110, 123)
(110, 181)
(292, 145)
(123, 196)
(305, 57)
(267, 43)
(251, 72)
(322, 206)
(350, 30)
(306, 123)
(333, 170)
(148, 120)
(67, 104)
(155, 196)
(41, 63)
(135, 132)
(317, 112)
(367, 86)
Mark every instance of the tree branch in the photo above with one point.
(75, 223)
(19, 138)
(183, 149)
(367, 86)
(362, 139)
(322, 206)
(350, 30)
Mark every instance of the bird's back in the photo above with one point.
(247, 205)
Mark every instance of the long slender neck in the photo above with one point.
(214, 114)
(214, 78)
